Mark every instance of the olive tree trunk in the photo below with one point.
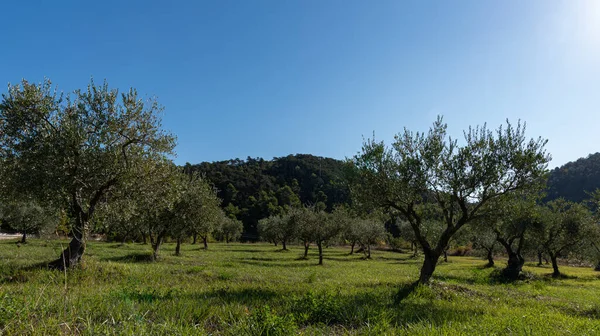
(178, 247)
(71, 256)
(553, 259)
(429, 264)
(306, 246)
(490, 258)
(320, 245)
(24, 238)
(156, 243)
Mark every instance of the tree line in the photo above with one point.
(98, 161)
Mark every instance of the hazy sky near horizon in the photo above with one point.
(271, 78)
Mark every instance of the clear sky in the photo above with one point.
(271, 78)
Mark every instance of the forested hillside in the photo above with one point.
(255, 188)
(574, 180)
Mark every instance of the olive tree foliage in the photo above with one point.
(282, 228)
(592, 244)
(513, 220)
(28, 217)
(230, 229)
(364, 231)
(269, 228)
(423, 169)
(197, 211)
(319, 225)
(371, 231)
(75, 149)
(564, 228)
(483, 238)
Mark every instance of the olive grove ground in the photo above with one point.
(254, 289)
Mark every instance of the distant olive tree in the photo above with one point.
(371, 232)
(424, 169)
(75, 149)
(28, 217)
(564, 228)
(230, 229)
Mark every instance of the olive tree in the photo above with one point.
(513, 220)
(75, 149)
(483, 238)
(459, 179)
(315, 225)
(371, 231)
(230, 229)
(268, 228)
(196, 211)
(28, 217)
(564, 228)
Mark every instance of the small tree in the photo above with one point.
(319, 226)
(28, 217)
(483, 238)
(563, 228)
(198, 208)
(306, 220)
(268, 228)
(371, 232)
(231, 229)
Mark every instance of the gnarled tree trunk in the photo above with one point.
(515, 262)
(71, 256)
(24, 238)
(156, 246)
(490, 258)
(205, 241)
(429, 264)
(514, 266)
(283, 243)
(352, 247)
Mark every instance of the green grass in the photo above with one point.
(254, 289)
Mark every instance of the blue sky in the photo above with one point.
(270, 78)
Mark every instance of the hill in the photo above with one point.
(574, 180)
(255, 188)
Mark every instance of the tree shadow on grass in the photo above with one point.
(131, 258)
(356, 258)
(247, 251)
(273, 264)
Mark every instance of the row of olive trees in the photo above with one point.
(311, 225)
(168, 204)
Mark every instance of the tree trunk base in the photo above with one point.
(70, 257)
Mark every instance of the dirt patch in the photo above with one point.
(9, 236)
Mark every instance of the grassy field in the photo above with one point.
(254, 289)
